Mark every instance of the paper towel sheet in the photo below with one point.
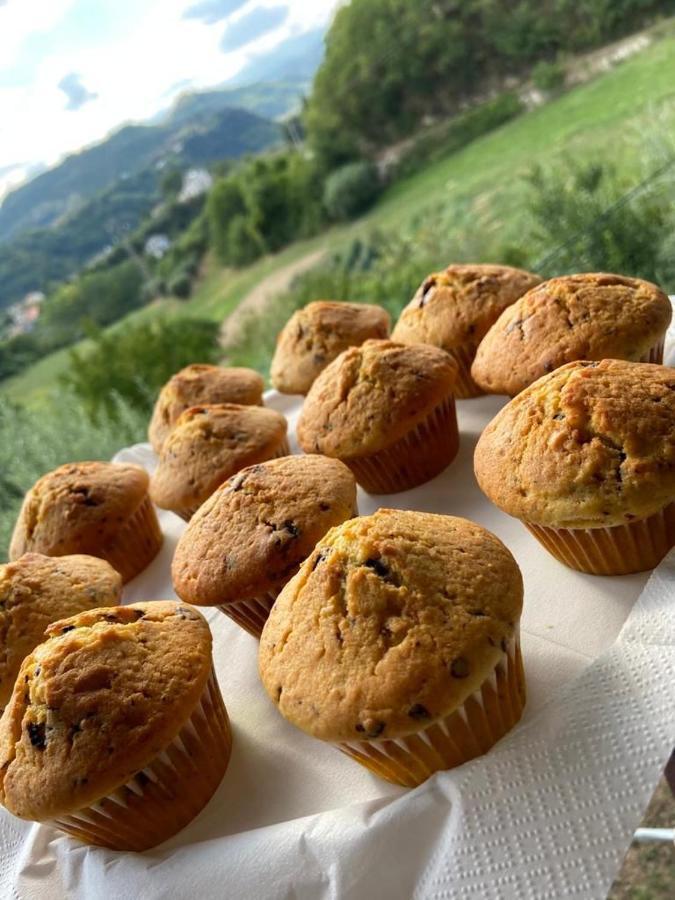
(548, 812)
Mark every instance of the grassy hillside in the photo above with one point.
(478, 192)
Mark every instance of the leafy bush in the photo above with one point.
(244, 243)
(35, 441)
(351, 190)
(132, 363)
(548, 76)
(98, 297)
(180, 284)
(264, 204)
(587, 217)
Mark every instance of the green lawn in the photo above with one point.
(617, 115)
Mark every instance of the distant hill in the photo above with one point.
(54, 224)
(195, 139)
(59, 220)
(272, 100)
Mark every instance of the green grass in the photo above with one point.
(480, 188)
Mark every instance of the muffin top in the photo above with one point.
(370, 396)
(36, 590)
(315, 335)
(256, 529)
(199, 384)
(207, 445)
(594, 316)
(93, 704)
(458, 305)
(78, 508)
(592, 444)
(392, 622)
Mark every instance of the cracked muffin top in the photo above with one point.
(592, 317)
(207, 445)
(592, 444)
(458, 305)
(37, 590)
(78, 508)
(251, 535)
(199, 384)
(315, 335)
(392, 622)
(93, 704)
(370, 396)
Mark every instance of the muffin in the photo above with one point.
(101, 509)
(196, 385)
(252, 534)
(387, 410)
(585, 317)
(116, 732)
(398, 642)
(37, 590)
(315, 335)
(208, 444)
(455, 308)
(585, 457)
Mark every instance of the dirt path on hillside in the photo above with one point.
(257, 300)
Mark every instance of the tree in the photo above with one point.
(134, 362)
(391, 63)
(351, 190)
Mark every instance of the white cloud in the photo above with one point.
(21, 18)
(131, 77)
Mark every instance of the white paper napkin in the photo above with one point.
(548, 812)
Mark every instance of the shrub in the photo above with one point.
(351, 190)
(548, 76)
(180, 285)
(585, 217)
(133, 362)
(244, 243)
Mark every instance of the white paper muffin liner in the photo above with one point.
(136, 544)
(418, 456)
(655, 355)
(251, 614)
(470, 731)
(616, 550)
(465, 386)
(167, 794)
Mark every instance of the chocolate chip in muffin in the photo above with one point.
(419, 712)
(37, 734)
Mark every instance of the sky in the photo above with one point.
(73, 70)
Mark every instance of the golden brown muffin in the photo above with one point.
(589, 449)
(253, 533)
(93, 708)
(455, 308)
(591, 317)
(315, 335)
(196, 385)
(389, 632)
(208, 444)
(37, 590)
(101, 509)
(386, 410)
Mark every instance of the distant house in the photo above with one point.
(195, 183)
(24, 314)
(156, 245)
